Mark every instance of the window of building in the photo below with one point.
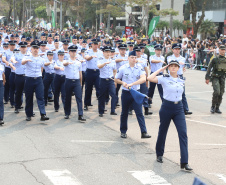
(137, 9)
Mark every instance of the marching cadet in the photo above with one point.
(118, 43)
(57, 37)
(143, 55)
(50, 44)
(80, 42)
(65, 49)
(83, 61)
(33, 72)
(19, 75)
(108, 70)
(216, 72)
(171, 109)
(23, 38)
(57, 48)
(120, 60)
(74, 41)
(43, 37)
(28, 40)
(130, 46)
(59, 81)
(2, 83)
(131, 75)
(49, 64)
(6, 59)
(73, 73)
(143, 87)
(156, 62)
(176, 56)
(92, 73)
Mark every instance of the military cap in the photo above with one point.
(6, 37)
(17, 35)
(80, 37)
(50, 35)
(158, 47)
(7, 30)
(23, 44)
(28, 39)
(49, 53)
(0, 37)
(72, 48)
(35, 44)
(89, 37)
(1, 29)
(84, 41)
(23, 37)
(90, 44)
(36, 38)
(108, 42)
(5, 44)
(101, 48)
(176, 45)
(42, 43)
(11, 36)
(137, 48)
(112, 50)
(74, 37)
(222, 47)
(107, 48)
(132, 53)
(65, 42)
(43, 34)
(83, 50)
(19, 31)
(130, 43)
(119, 41)
(122, 46)
(142, 45)
(174, 62)
(56, 34)
(67, 38)
(94, 41)
(60, 52)
(12, 42)
(56, 40)
(16, 51)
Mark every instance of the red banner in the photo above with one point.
(128, 31)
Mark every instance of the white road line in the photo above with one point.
(209, 144)
(199, 92)
(220, 176)
(92, 141)
(149, 178)
(61, 177)
(212, 124)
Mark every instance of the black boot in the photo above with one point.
(44, 117)
(16, 111)
(217, 110)
(212, 109)
(185, 166)
(81, 118)
(146, 112)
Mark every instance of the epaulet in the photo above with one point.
(101, 58)
(166, 75)
(182, 78)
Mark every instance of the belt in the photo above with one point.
(92, 69)
(49, 73)
(34, 77)
(73, 80)
(60, 75)
(20, 75)
(173, 102)
(107, 79)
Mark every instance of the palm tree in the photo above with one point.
(162, 25)
(207, 27)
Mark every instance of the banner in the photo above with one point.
(151, 50)
(48, 26)
(128, 31)
(153, 25)
(69, 24)
(53, 20)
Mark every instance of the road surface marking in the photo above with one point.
(206, 144)
(92, 141)
(149, 177)
(212, 124)
(61, 177)
(220, 176)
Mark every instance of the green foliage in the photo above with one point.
(41, 12)
(162, 25)
(207, 27)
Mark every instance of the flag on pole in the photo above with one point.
(153, 25)
(53, 19)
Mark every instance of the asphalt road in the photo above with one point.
(67, 152)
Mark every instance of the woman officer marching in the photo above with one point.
(171, 109)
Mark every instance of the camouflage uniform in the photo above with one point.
(217, 76)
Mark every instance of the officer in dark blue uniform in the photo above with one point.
(131, 75)
(108, 70)
(73, 73)
(171, 109)
(33, 72)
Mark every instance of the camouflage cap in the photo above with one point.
(222, 47)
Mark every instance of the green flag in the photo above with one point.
(151, 50)
(152, 25)
(53, 20)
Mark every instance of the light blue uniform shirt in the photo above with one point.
(92, 64)
(142, 62)
(8, 54)
(72, 70)
(83, 63)
(20, 69)
(173, 88)
(144, 56)
(2, 69)
(179, 59)
(107, 70)
(66, 55)
(119, 64)
(50, 68)
(34, 68)
(50, 46)
(156, 66)
(130, 75)
(58, 71)
(55, 55)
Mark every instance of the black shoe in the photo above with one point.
(149, 106)
(145, 135)
(21, 107)
(212, 109)
(81, 118)
(90, 105)
(5, 102)
(113, 113)
(50, 100)
(185, 166)
(85, 107)
(44, 118)
(187, 113)
(123, 135)
(28, 119)
(217, 110)
(12, 106)
(1, 122)
(106, 103)
(56, 110)
(130, 112)
(16, 111)
(46, 105)
(66, 117)
(105, 110)
(33, 114)
(160, 159)
(117, 105)
(146, 112)
(100, 115)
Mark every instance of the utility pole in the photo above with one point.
(109, 16)
(23, 22)
(14, 14)
(30, 9)
(61, 15)
(171, 20)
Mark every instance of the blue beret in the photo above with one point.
(122, 46)
(176, 46)
(132, 53)
(28, 39)
(22, 44)
(60, 52)
(84, 41)
(49, 53)
(43, 34)
(72, 48)
(107, 48)
(56, 40)
(23, 37)
(6, 37)
(158, 46)
(50, 35)
(74, 37)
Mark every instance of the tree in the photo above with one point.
(193, 8)
(40, 12)
(162, 25)
(207, 27)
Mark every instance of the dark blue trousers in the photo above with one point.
(59, 86)
(106, 86)
(34, 84)
(12, 88)
(83, 79)
(19, 88)
(73, 86)
(47, 80)
(117, 91)
(151, 90)
(144, 90)
(170, 111)
(127, 101)
(1, 100)
(184, 99)
(92, 79)
(6, 89)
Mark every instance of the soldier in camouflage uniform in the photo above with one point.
(216, 73)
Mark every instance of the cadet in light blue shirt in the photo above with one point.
(83, 61)
(73, 72)
(65, 49)
(131, 75)
(33, 72)
(171, 109)
(2, 83)
(108, 70)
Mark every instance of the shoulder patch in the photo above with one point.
(166, 75)
(182, 78)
